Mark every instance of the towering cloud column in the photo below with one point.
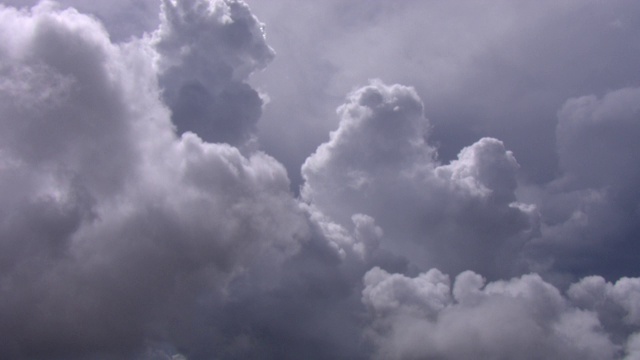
(207, 51)
(456, 217)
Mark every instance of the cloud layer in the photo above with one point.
(139, 218)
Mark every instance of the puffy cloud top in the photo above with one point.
(114, 230)
(523, 318)
(207, 51)
(378, 162)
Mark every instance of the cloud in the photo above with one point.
(140, 220)
(207, 51)
(590, 212)
(633, 347)
(123, 239)
(500, 70)
(595, 135)
(114, 229)
(378, 162)
(522, 318)
(124, 19)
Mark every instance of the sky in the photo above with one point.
(340, 179)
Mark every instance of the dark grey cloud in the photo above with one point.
(591, 212)
(207, 51)
(139, 220)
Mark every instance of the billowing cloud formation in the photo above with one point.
(113, 229)
(523, 318)
(457, 216)
(139, 221)
(207, 51)
(500, 69)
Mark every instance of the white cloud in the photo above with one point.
(595, 293)
(113, 228)
(523, 318)
(459, 216)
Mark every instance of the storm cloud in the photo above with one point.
(170, 189)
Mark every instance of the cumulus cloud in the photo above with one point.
(500, 69)
(459, 216)
(139, 220)
(207, 51)
(523, 318)
(114, 229)
(123, 239)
